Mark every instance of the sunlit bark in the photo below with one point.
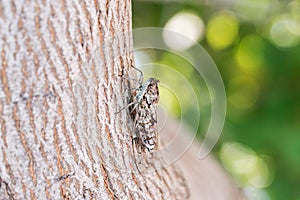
(62, 65)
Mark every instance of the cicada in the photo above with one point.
(143, 111)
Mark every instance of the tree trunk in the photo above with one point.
(63, 78)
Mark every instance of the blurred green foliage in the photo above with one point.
(256, 46)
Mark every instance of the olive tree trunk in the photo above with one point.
(63, 67)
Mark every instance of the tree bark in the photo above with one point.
(63, 68)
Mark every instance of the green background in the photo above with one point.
(256, 47)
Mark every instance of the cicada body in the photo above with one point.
(143, 110)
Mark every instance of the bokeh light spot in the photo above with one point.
(250, 53)
(222, 30)
(256, 194)
(285, 32)
(187, 24)
(243, 162)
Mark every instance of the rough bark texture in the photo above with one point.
(61, 64)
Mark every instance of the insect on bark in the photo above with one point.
(143, 111)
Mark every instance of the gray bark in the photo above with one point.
(62, 67)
